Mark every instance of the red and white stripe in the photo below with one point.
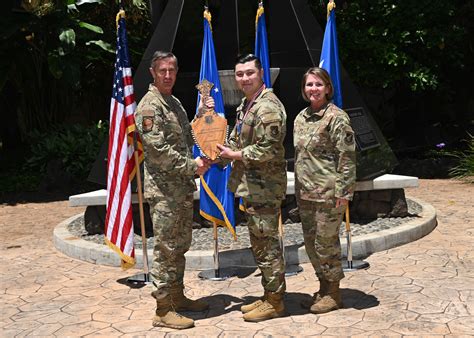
(120, 171)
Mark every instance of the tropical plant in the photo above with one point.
(75, 146)
(56, 58)
(388, 42)
(413, 60)
(43, 59)
(465, 169)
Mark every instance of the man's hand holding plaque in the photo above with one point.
(206, 103)
(209, 128)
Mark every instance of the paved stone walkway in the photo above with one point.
(422, 288)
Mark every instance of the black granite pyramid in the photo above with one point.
(295, 40)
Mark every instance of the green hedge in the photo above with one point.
(76, 146)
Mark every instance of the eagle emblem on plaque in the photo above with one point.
(209, 128)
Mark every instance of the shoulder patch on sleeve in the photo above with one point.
(147, 124)
(349, 136)
(147, 117)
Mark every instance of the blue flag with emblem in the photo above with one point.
(262, 52)
(261, 45)
(330, 54)
(216, 202)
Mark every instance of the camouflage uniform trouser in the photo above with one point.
(321, 222)
(172, 228)
(262, 222)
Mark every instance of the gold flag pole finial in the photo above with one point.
(207, 15)
(120, 14)
(260, 12)
(331, 6)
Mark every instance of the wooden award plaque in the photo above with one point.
(209, 129)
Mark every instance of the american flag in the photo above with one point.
(121, 166)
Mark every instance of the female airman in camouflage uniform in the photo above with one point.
(325, 179)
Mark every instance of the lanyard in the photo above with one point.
(247, 109)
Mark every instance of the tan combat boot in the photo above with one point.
(183, 303)
(323, 286)
(272, 307)
(330, 301)
(249, 307)
(166, 316)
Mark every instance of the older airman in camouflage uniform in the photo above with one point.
(169, 185)
(259, 177)
(325, 180)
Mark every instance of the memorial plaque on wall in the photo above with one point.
(366, 137)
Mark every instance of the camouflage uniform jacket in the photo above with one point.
(325, 165)
(261, 175)
(167, 142)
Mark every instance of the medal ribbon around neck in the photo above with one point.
(247, 108)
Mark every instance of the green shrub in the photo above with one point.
(18, 180)
(465, 169)
(76, 146)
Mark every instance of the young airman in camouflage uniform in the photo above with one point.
(259, 177)
(169, 185)
(324, 183)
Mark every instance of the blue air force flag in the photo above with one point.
(330, 54)
(216, 202)
(261, 45)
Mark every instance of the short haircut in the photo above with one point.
(323, 75)
(160, 55)
(244, 58)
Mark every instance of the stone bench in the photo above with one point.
(384, 182)
(388, 181)
(380, 197)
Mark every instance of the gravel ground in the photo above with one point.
(203, 238)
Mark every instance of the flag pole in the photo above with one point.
(349, 239)
(216, 250)
(119, 215)
(145, 277)
(213, 206)
(293, 269)
(216, 274)
(140, 207)
(350, 264)
(330, 52)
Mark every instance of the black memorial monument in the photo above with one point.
(295, 40)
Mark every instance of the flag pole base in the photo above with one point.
(217, 274)
(139, 279)
(354, 265)
(292, 270)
